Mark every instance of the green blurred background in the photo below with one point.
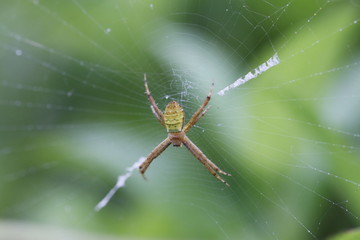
(74, 116)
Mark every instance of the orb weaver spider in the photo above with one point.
(173, 120)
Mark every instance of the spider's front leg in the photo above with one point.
(154, 108)
(200, 112)
(155, 153)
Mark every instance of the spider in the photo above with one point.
(173, 120)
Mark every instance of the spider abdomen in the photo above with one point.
(174, 117)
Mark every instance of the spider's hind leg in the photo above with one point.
(155, 153)
(211, 167)
(216, 168)
(215, 174)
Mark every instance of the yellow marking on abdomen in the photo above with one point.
(174, 117)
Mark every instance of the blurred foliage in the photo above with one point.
(348, 235)
(74, 116)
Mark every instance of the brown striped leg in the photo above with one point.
(156, 152)
(204, 160)
(200, 112)
(154, 108)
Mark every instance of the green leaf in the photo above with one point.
(353, 234)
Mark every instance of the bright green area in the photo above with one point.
(348, 235)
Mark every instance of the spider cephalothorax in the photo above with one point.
(173, 120)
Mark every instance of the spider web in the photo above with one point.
(74, 117)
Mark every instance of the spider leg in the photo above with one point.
(204, 160)
(200, 116)
(154, 108)
(200, 112)
(155, 153)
